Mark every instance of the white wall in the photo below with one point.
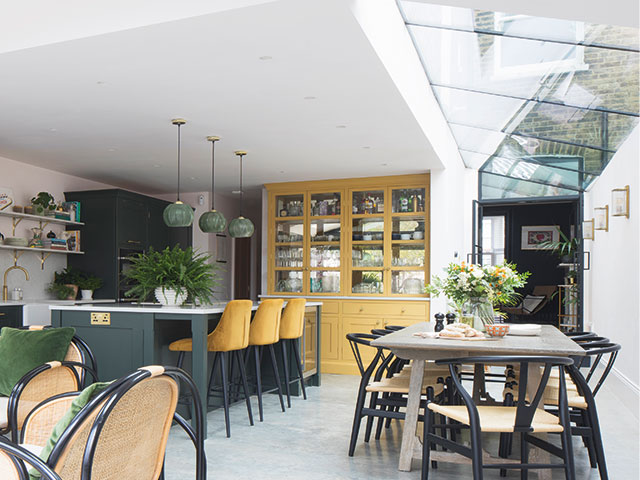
(612, 286)
(26, 181)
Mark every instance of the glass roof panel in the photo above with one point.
(524, 94)
(499, 187)
(541, 28)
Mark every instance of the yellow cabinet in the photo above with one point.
(330, 337)
(310, 332)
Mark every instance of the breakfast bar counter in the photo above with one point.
(124, 337)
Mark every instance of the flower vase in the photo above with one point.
(480, 310)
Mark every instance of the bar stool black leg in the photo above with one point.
(296, 354)
(225, 390)
(180, 359)
(257, 356)
(274, 364)
(216, 356)
(245, 386)
(285, 362)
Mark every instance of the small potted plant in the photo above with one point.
(89, 284)
(43, 204)
(173, 275)
(69, 277)
(62, 292)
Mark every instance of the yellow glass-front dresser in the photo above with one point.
(361, 246)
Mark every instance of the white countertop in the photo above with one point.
(153, 308)
(49, 301)
(352, 297)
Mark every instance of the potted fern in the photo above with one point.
(173, 275)
(88, 284)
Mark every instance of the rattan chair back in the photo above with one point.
(130, 439)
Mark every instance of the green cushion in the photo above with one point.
(23, 350)
(78, 404)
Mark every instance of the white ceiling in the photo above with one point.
(100, 107)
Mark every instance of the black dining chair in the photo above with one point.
(524, 418)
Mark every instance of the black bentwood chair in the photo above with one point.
(380, 377)
(524, 418)
(120, 434)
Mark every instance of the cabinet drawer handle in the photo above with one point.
(2, 314)
(402, 310)
(137, 242)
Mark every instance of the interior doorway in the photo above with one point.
(242, 269)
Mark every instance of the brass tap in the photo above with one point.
(5, 288)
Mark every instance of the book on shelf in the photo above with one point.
(73, 240)
(73, 209)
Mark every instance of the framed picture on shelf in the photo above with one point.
(620, 202)
(536, 235)
(73, 240)
(601, 218)
(6, 197)
(588, 232)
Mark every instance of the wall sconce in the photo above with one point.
(620, 202)
(601, 218)
(588, 232)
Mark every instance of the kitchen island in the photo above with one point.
(124, 337)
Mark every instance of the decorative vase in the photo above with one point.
(169, 297)
(86, 294)
(481, 310)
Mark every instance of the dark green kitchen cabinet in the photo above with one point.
(117, 225)
(11, 316)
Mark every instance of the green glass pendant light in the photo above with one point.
(178, 214)
(212, 221)
(241, 227)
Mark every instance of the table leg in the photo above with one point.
(538, 455)
(411, 415)
(199, 327)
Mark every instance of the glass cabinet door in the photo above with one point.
(289, 250)
(325, 265)
(367, 243)
(408, 242)
(289, 205)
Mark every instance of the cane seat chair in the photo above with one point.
(120, 434)
(226, 342)
(291, 330)
(46, 381)
(524, 418)
(581, 392)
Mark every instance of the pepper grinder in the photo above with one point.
(439, 322)
(451, 318)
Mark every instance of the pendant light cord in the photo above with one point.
(213, 175)
(178, 162)
(241, 190)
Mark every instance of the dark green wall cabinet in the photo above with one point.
(119, 224)
(11, 316)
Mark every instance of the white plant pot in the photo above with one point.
(86, 294)
(169, 297)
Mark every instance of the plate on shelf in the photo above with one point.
(16, 241)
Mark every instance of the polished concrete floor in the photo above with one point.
(310, 442)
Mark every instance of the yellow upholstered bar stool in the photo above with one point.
(265, 332)
(291, 329)
(230, 336)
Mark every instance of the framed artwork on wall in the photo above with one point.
(536, 235)
(620, 202)
(588, 232)
(601, 218)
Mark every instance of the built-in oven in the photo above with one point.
(124, 264)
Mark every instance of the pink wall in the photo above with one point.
(26, 181)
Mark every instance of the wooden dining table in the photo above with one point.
(404, 344)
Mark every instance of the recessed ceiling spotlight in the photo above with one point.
(236, 192)
(341, 126)
(310, 97)
(156, 166)
(100, 82)
(192, 178)
(265, 57)
(384, 164)
(281, 171)
(112, 149)
(366, 147)
(53, 129)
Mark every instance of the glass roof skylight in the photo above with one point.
(538, 105)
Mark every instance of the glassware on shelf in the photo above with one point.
(368, 202)
(408, 200)
(289, 257)
(367, 282)
(290, 205)
(325, 204)
(325, 256)
(325, 230)
(407, 255)
(407, 282)
(289, 231)
(324, 281)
